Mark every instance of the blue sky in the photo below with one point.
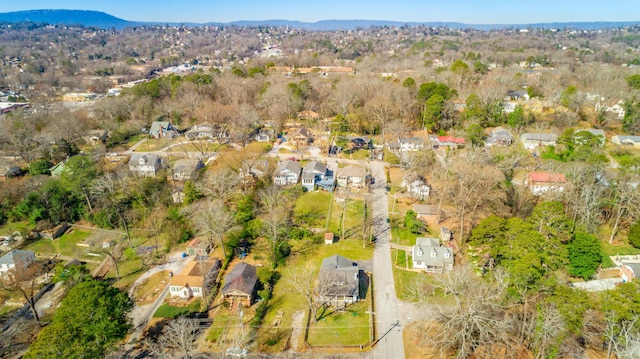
(466, 11)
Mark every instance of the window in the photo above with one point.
(434, 253)
(447, 254)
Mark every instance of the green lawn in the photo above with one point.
(353, 221)
(65, 245)
(350, 327)
(303, 254)
(10, 227)
(612, 250)
(404, 279)
(130, 270)
(312, 208)
(220, 322)
(170, 311)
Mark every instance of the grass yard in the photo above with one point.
(615, 249)
(130, 270)
(10, 227)
(151, 144)
(220, 323)
(404, 279)
(65, 245)
(350, 327)
(354, 212)
(304, 254)
(403, 236)
(312, 208)
(170, 311)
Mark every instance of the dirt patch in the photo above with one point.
(414, 344)
(147, 291)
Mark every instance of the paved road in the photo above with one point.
(141, 314)
(390, 344)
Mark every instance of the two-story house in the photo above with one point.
(430, 256)
(352, 177)
(316, 173)
(186, 169)
(162, 129)
(339, 281)
(287, 173)
(145, 164)
(540, 183)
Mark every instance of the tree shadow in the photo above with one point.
(363, 285)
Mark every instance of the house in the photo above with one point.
(287, 173)
(428, 213)
(359, 142)
(308, 115)
(411, 144)
(450, 141)
(57, 169)
(351, 176)
(10, 172)
(339, 281)
(17, 260)
(509, 107)
(198, 247)
(196, 277)
(317, 173)
(543, 182)
(430, 256)
(240, 285)
(416, 186)
(265, 135)
(300, 137)
(254, 168)
(162, 129)
(630, 270)
(200, 132)
(55, 232)
(145, 165)
(532, 141)
(95, 137)
(597, 133)
(517, 95)
(186, 169)
(329, 237)
(78, 97)
(626, 140)
(499, 136)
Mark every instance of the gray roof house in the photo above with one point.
(533, 140)
(499, 136)
(351, 176)
(186, 169)
(317, 173)
(18, 259)
(287, 173)
(162, 129)
(339, 281)
(145, 164)
(626, 140)
(240, 284)
(430, 256)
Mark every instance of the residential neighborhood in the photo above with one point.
(273, 190)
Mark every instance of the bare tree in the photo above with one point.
(477, 324)
(623, 198)
(25, 281)
(212, 219)
(177, 340)
(276, 216)
(219, 185)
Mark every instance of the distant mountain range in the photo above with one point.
(103, 20)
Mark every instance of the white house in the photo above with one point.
(532, 140)
(416, 186)
(186, 169)
(611, 106)
(430, 256)
(287, 173)
(626, 140)
(195, 278)
(16, 259)
(543, 182)
(351, 176)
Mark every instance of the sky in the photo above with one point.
(465, 11)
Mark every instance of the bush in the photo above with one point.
(634, 234)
